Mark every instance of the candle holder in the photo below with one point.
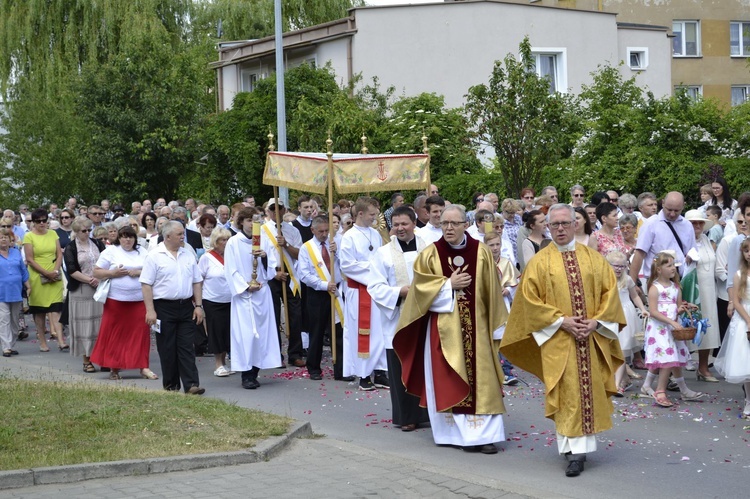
(256, 247)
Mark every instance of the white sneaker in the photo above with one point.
(221, 372)
(746, 412)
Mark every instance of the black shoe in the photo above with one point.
(366, 385)
(316, 376)
(381, 381)
(250, 384)
(672, 386)
(107, 369)
(575, 468)
(348, 379)
(487, 449)
(23, 335)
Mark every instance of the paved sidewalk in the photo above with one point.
(313, 467)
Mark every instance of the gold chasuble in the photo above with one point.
(578, 375)
(467, 375)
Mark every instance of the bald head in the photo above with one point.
(673, 205)
(486, 205)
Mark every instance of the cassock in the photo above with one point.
(445, 341)
(253, 326)
(364, 341)
(391, 268)
(559, 282)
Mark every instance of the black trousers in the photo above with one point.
(406, 408)
(294, 349)
(318, 318)
(721, 306)
(175, 343)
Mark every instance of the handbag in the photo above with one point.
(45, 280)
(102, 290)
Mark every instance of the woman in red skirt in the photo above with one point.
(124, 338)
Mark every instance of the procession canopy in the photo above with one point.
(308, 172)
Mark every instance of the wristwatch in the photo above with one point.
(199, 306)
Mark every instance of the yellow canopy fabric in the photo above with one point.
(351, 172)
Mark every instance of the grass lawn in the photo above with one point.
(50, 424)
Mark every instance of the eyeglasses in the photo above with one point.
(65, 218)
(450, 223)
(577, 195)
(619, 267)
(96, 213)
(40, 221)
(528, 197)
(5, 226)
(615, 200)
(557, 225)
(85, 230)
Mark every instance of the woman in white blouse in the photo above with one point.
(217, 299)
(124, 338)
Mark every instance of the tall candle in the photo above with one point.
(256, 236)
(488, 224)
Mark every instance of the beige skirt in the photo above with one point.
(84, 318)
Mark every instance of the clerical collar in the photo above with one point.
(571, 246)
(410, 246)
(462, 245)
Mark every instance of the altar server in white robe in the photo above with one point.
(364, 342)
(391, 273)
(254, 342)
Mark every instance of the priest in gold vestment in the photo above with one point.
(563, 328)
(446, 342)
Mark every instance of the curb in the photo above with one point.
(265, 450)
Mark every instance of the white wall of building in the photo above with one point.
(657, 48)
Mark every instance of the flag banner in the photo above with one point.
(352, 172)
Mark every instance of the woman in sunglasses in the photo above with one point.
(44, 259)
(65, 231)
(84, 314)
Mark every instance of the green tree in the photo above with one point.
(526, 126)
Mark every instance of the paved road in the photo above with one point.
(697, 448)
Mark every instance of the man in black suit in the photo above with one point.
(191, 237)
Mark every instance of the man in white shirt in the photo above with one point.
(285, 247)
(171, 284)
(314, 263)
(431, 232)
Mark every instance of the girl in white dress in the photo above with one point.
(628, 296)
(733, 361)
(664, 355)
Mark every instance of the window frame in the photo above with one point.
(561, 65)
(697, 88)
(739, 24)
(253, 82)
(746, 88)
(698, 40)
(644, 59)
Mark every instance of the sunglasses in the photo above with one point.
(95, 213)
(577, 195)
(5, 226)
(65, 218)
(85, 230)
(40, 221)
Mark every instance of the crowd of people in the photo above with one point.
(431, 299)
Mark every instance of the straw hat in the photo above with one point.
(696, 216)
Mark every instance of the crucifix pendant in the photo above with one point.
(369, 247)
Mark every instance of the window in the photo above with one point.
(249, 79)
(638, 58)
(739, 39)
(687, 38)
(692, 91)
(740, 94)
(551, 63)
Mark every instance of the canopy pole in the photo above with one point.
(331, 237)
(281, 255)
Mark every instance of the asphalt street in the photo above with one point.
(698, 449)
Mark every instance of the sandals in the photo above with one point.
(148, 374)
(638, 364)
(661, 399)
(691, 395)
(115, 376)
(620, 392)
(647, 390)
(632, 374)
(88, 367)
